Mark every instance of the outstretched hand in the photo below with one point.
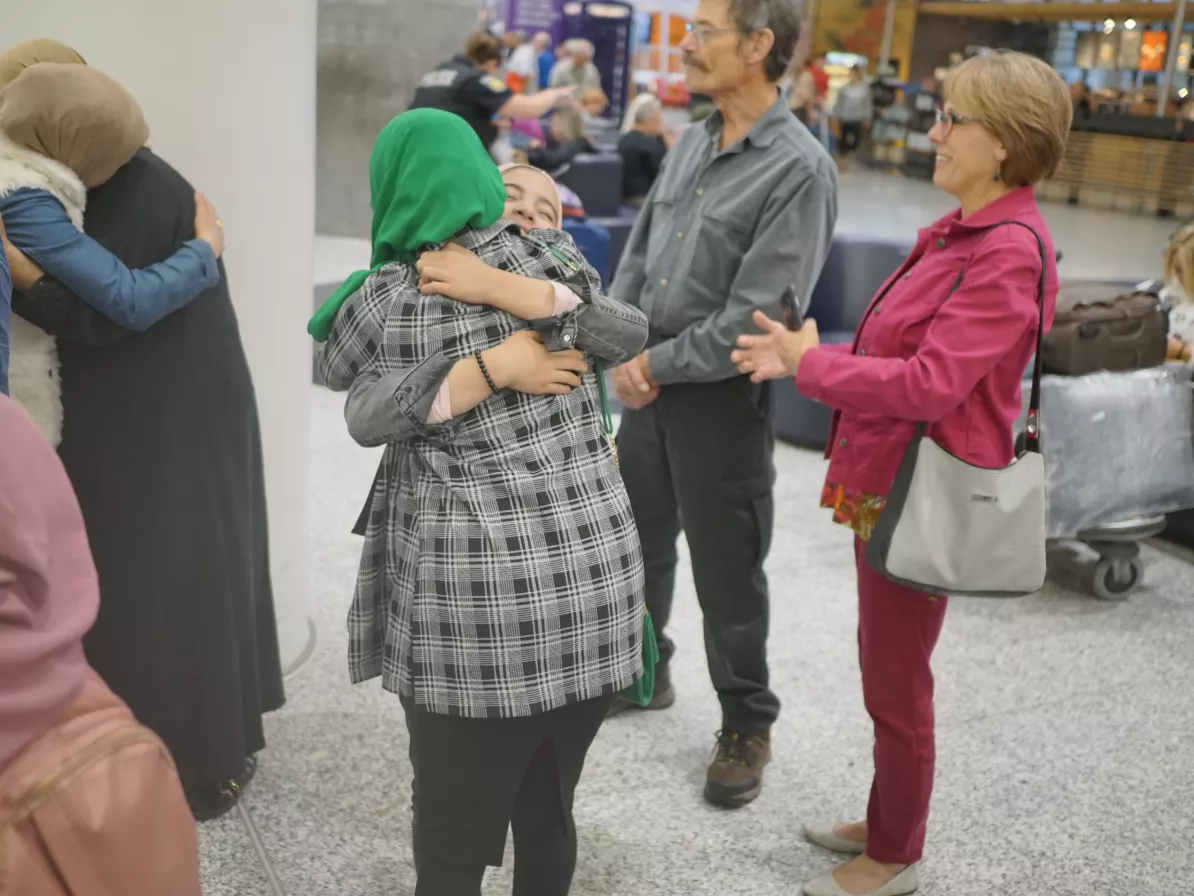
(777, 352)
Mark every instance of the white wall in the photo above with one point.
(228, 88)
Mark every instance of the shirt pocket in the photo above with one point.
(721, 241)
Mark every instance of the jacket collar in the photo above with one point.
(765, 130)
(1016, 204)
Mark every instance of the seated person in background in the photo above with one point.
(568, 140)
(642, 150)
(576, 69)
(1179, 293)
(593, 102)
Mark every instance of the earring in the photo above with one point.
(996, 177)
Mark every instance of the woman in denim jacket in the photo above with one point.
(65, 128)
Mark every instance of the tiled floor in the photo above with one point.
(1066, 747)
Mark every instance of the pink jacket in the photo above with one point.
(954, 361)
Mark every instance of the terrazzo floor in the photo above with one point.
(1066, 746)
(1066, 724)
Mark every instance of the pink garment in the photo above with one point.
(921, 354)
(441, 407)
(49, 592)
(529, 127)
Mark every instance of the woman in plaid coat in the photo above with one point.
(500, 590)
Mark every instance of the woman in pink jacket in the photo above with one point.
(946, 342)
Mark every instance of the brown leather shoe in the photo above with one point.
(735, 776)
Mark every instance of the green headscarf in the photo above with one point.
(429, 177)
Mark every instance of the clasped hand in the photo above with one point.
(457, 273)
(777, 352)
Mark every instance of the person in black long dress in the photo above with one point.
(163, 446)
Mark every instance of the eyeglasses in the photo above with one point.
(702, 33)
(948, 119)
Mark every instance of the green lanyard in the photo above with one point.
(607, 416)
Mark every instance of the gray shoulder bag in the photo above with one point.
(949, 527)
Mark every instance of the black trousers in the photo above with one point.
(700, 458)
(851, 137)
(476, 778)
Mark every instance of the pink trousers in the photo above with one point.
(897, 631)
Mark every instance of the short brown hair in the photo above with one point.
(482, 47)
(1180, 252)
(1024, 102)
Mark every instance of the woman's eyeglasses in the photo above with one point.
(948, 119)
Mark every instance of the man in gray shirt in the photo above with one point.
(742, 213)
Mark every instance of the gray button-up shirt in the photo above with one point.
(723, 234)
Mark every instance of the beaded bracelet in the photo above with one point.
(485, 372)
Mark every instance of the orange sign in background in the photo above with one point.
(856, 26)
(1152, 51)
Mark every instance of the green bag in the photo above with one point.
(643, 689)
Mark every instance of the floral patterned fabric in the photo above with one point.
(858, 511)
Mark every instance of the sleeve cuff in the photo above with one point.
(811, 373)
(211, 264)
(661, 361)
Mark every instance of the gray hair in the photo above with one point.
(581, 45)
(647, 110)
(783, 18)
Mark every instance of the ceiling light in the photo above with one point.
(1130, 24)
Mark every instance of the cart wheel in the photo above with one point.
(1116, 579)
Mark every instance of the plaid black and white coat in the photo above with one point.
(501, 574)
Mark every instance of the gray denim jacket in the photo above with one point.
(394, 406)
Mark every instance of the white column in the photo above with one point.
(228, 88)
(1165, 89)
(888, 31)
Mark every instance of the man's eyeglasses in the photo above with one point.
(948, 119)
(702, 33)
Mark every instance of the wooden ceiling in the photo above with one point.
(1058, 11)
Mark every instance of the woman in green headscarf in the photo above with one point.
(500, 594)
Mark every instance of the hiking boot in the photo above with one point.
(664, 696)
(735, 776)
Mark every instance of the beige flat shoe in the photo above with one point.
(907, 881)
(824, 836)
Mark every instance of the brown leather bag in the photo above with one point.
(1101, 326)
(94, 807)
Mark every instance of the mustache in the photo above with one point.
(689, 59)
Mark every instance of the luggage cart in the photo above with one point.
(1119, 455)
(1119, 570)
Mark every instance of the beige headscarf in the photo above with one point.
(75, 115)
(555, 189)
(17, 58)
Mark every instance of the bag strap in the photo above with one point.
(607, 416)
(1032, 433)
